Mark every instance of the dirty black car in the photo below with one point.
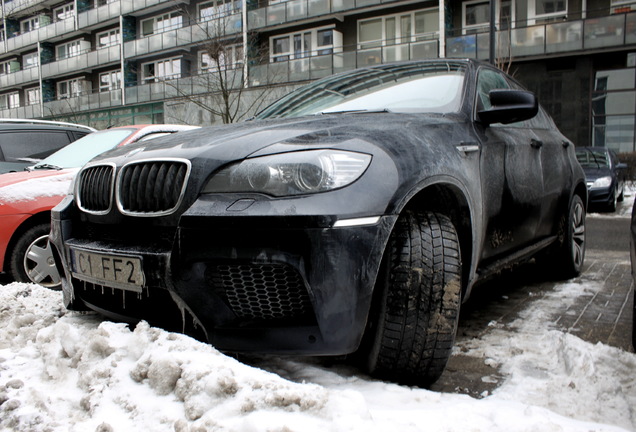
(605, 176)
(352, 216)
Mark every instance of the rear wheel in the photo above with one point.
(414, 320)
(32, 260)
(569, 257)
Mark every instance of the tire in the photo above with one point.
(570, 254)
(611, 207)
(31, 259)
(411, 331)
(621, 196)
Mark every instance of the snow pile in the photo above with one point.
(38, 187)
(71, 372)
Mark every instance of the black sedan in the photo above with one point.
(605, 176)
(353, 216)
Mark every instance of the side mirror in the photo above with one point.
(509, 106)
(621, 166)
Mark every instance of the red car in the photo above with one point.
(27, 197)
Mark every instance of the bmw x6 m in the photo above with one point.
(353, 216)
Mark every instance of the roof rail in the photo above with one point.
(46, 122)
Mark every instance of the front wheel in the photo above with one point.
(413, 323)
(31, 259)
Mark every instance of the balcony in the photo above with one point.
(87, 102)
(78, 63)
(184, 36)
(553, 38)
(19, 78)
(19, 42)
(25, 112)
(99, 15)
(295, 10)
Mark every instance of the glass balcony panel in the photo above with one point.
(462, 46)
(169, 39)
(340, 5)
(369, 57)
(132, 94)
(299, 69)
(630, 28)
(424, 50)
(276, 14)
(395, 53)
(322, 65)
(277, 73)
(566, 36)
(604, 32)
(615, 132)
(483, 46)
(257, 18)
(296, 9)
(154, 43)
(360, 3)
(318, 7)
(528, 41)
(615, 103)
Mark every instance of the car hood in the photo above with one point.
(32, 185)
(592, 174)
(222, 144)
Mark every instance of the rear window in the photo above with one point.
(31, 146)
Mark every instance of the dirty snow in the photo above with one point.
(66, 371)
(63, 371)
(36, 188)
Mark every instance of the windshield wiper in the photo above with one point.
(358, 111)
(44, 166)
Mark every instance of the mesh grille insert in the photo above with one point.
(263, 291)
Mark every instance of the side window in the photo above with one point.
(32, 145)
(487, 80)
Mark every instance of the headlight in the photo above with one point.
(294, 173)
(602, 182)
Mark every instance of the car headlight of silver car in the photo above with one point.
(602, 182)
(294, 173)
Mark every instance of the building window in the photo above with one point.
(161, 23)
(99, 3)
(72, 49)
(72, 88)
(217, 9)
(230, 58)
(10, 100)
(308, 43)
(64, 12)
(396, 29)
(32, 23)
(475, 15)
(110, 81)
(108, 38)
(30, 60)
(161, 70)
(546, 9)
(32, 96)
(8, 66)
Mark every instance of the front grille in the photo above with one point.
(95, 188)
(262, 291)
(152, 187)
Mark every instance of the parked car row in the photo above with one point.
(27, 197)
(351, 217)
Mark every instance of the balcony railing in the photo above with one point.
(83, 61)
(569, 36)
(294, 10)
(20, 77)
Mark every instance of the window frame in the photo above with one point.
(312, 51)
(110, 34)
(533, 16)
(69, 48)
(218, 8)
(30, 24)
(113, 84)
(68, 11)
(10, 100)
(235, 63)
(28, 100)
(155, 20)
(26, 64)
(146, 78)
(399, 38)
(81, 84)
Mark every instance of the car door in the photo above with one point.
(512, 178)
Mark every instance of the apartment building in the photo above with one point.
(110, 62)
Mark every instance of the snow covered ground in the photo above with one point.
(62, 371)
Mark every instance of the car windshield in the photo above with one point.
(84, 149)
(410, 87)
(593, 158)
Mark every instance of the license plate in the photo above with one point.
(112, 270)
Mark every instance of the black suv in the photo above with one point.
(352, 216)
(25, 142)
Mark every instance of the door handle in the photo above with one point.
(536, 143)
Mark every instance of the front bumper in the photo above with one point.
(293, 284)
(601, 196)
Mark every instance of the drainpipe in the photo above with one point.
(442, 29)
(245, 47)
(492, 32)
(40, 79)
(121, 61)
(4, 26)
